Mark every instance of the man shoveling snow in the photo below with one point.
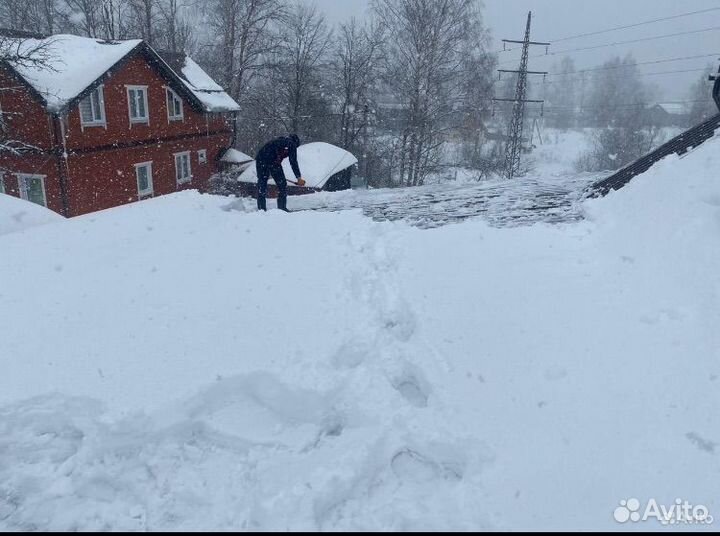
(269, 163)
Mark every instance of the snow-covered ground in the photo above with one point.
(175, 365)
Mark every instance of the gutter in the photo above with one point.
(61, 156)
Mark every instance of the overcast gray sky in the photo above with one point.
(556, 19)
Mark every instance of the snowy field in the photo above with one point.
(177, 365)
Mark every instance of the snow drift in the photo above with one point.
(18, 214)
(177, 366)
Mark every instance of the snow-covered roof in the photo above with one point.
(73, 64)
(208, 92)
(318, 162)
(233, 156)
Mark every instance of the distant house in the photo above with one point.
(110, 123)
(668, 115)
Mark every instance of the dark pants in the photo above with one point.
(264, 172)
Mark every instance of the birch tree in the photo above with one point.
(426, 69)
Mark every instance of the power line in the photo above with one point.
(636, 25)
(618, 43)
(623, 105)
(633, 105)
(627, 27)
(553, 82)
(655, 62)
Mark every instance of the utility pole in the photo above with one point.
(513, 148)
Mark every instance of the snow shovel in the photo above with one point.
(300, 182)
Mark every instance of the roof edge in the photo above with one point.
(93, 85)
(153, 57)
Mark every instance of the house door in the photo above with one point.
(32, 188)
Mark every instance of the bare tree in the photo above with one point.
(618, 103)
(243, 30)
(617, 87)
(562, 97)
(293, 95)
(87, 16)
(40, 16)
(27, 53)
(144, 17)
(426, 70)
(103, 19)
(355, 71)
(174, 29)
(308, 40)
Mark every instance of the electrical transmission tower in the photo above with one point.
(513, 148)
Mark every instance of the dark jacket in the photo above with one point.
(273, 153)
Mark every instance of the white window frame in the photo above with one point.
(138, 121)
(171, 110)
(102, 122)
(183, 180)
(22, 187)
(150, 192)
(202, 156)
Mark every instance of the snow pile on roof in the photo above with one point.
(233, 156)
(18, 214)
(318, 162)
(74, 63)
(206, 89)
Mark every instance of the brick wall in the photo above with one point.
(100, 164)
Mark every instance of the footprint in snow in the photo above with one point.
(409, 465)
(413, 388)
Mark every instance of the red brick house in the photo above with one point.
(110, 123)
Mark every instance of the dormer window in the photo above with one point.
(175, 106)
(138, 104)
(92, 109)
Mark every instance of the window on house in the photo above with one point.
(175, 106)
(143, 173)
(202, 156)
(32, 188)
(92, 109)
(138, 102)
(183, 172)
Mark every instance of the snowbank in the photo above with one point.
(318, 162)
(18, 214)
(181, 366)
